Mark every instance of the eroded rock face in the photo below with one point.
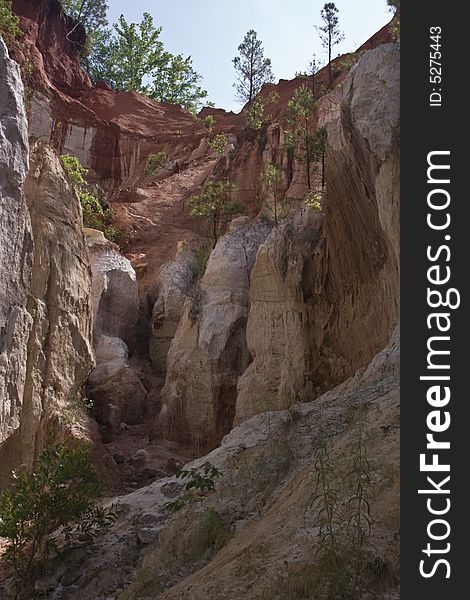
(171, 289)
(45, 304)
(357, 267)
(115, 387)
(317, 302)
(269, 471)
(209, 351)
(114, 290)
(15, 239)
(279, 329)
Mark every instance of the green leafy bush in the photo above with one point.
(218, 143)
(155, 162)
(214, 204)
(95, 213)
(209, 122)
(344, 526)
(200, 481)
(314, 200)
(9, 22)
(255, 113)
(49, 508)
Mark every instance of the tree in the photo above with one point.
(330, 33)
(176, 82)
(394, 4)
(310, 73)
(133, 58)
(255, 113)
(272, 179)
(252, 68)
(9, 22)
(299, 139)
(214, 204)
(89, 13)
(319, 148)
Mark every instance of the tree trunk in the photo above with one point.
(307, 156)
(323, 169)
(330, 74)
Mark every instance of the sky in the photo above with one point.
(210, 31)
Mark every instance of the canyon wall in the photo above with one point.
(320, 281)
(46, 351)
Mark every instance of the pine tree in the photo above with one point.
(330, 33)
(252, 68)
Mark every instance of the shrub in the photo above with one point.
(155, 162)
(95, 213)
(55, 504)
(218, 143)
(209, 122)
(271, 177)
(9, 22)
(347, 63)
(254, 113)
(344, 526)
(314, 199)
(201, 481)
(215, 204)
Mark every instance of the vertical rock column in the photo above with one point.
(45, 309)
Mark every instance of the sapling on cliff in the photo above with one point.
(298, 137)
(214, 204)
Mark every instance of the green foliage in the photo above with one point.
(216, 532)
(310, 74)
(314, 200)
(95, 213)
(133, 57)
(359, 523)
(57, 503)
(209, 122)
(218, 143)
(9, 22)
(344, 527)
(176, 82)
(347, 63)
(253, 70)
(299, 140)
(201, 256)
(155, 162)
(306, 147)
(394, 27)
(200, 481)
(215, 203)
(330, 33)
(271, 177)
(89, 13)
(254, 113)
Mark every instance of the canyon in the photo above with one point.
(291, 328)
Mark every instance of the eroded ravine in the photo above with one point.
(286, 319)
